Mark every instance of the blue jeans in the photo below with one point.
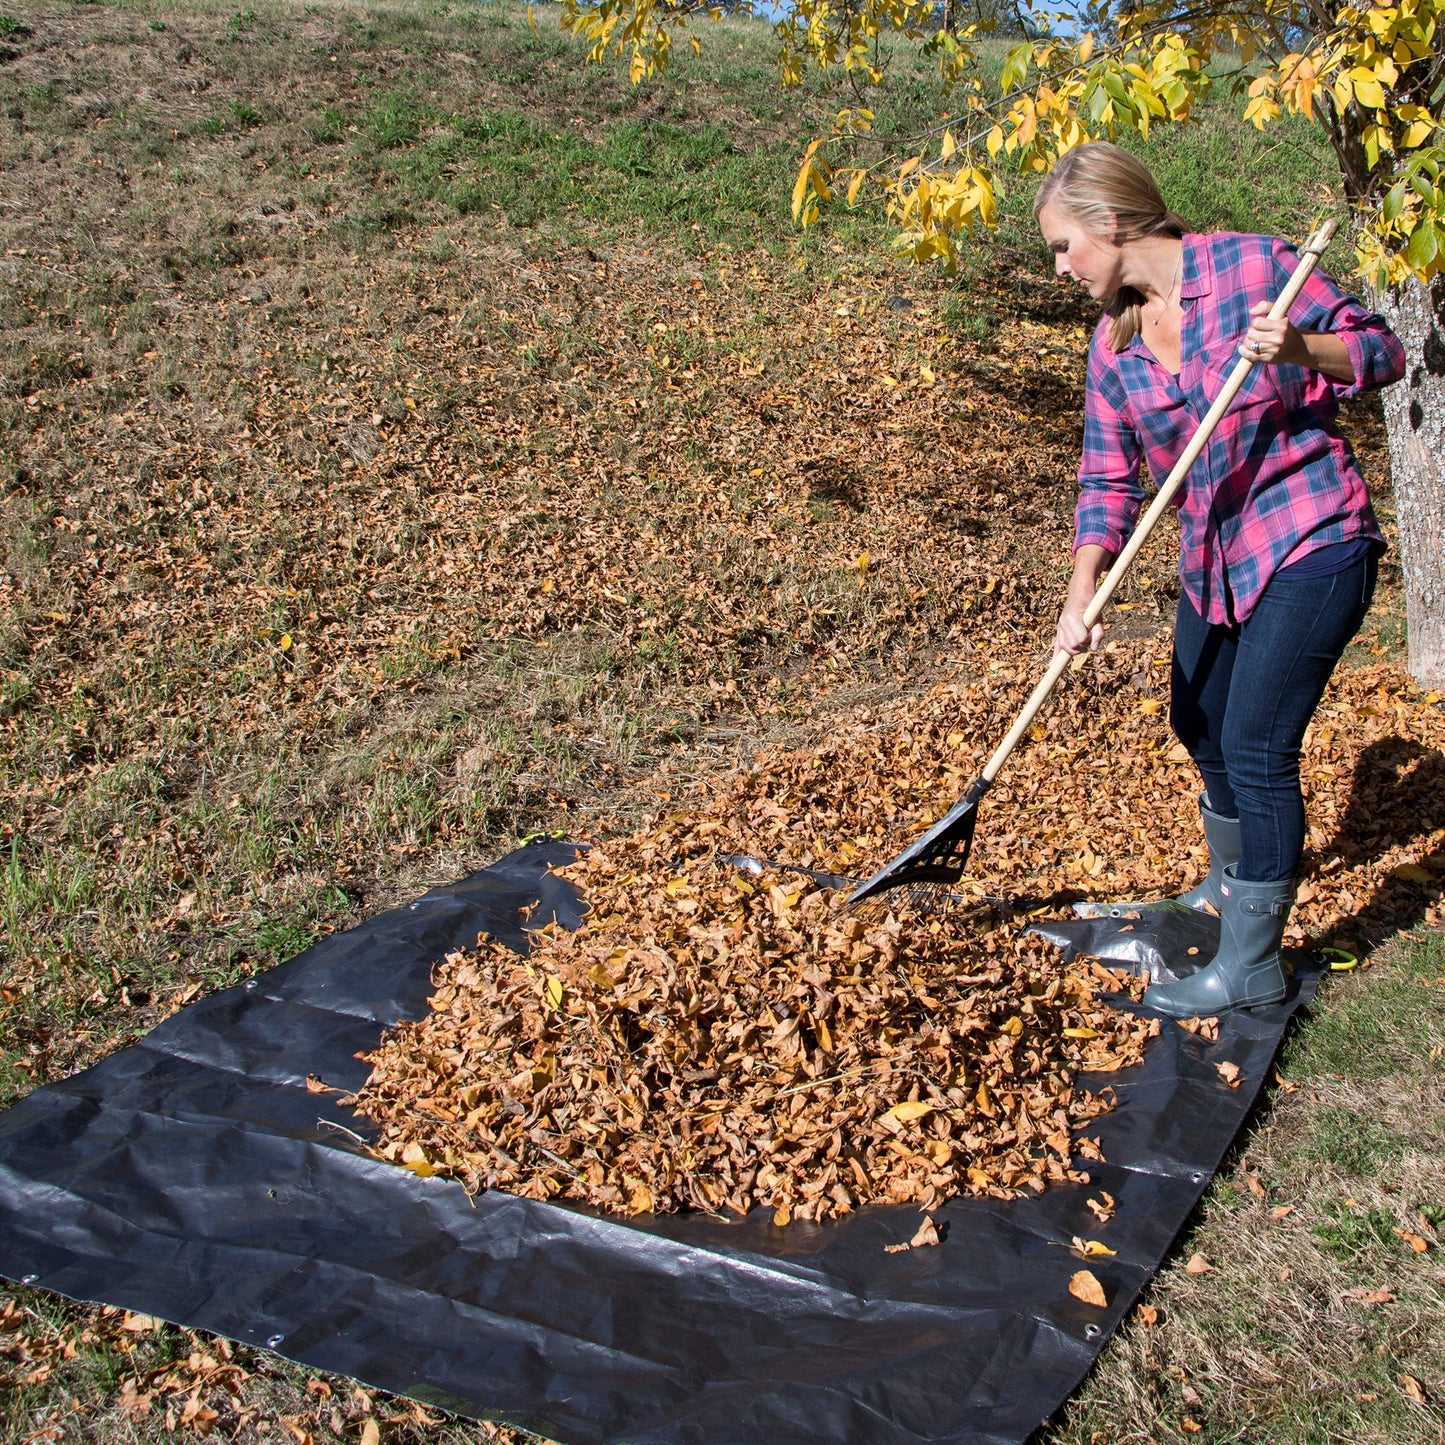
(1242, 696)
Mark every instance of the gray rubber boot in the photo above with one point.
(1222, 835)
(1246, 972)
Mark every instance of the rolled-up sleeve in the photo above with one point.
(1375, 351)
(1109, 492)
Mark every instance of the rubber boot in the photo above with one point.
(1222, 835)
(1246, 972)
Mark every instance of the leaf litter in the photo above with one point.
(719, 1038)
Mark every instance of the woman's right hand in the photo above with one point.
(1073, 637)
(1090, 563)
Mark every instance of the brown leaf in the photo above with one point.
(1102, 1207)
(1148, 1316)
(1370, 1296)
(1229, 1072)
(1198, 1265)
(1084, 1286)
(927, 1234)
(370, 1432)
(1281, 1211)
(1413, 1388)
(1415, 1241)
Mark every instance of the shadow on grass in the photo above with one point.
(1398, 794)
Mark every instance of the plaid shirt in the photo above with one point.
(1277, 479)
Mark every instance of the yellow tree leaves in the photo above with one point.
(1370, 75)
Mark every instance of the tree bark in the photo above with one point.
(1415, 426)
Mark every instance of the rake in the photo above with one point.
(923, 874)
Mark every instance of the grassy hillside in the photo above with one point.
(411, 437)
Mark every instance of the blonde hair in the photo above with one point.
(1112, 194)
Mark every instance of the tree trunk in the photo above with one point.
(1415, 425)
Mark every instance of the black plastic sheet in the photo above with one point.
(195, 1178)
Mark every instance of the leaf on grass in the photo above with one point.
(1415, 1241)
(1084, 1286)
(1413, 1388)
(1148, 1316)
(1198, 1265)
(1370, 1296)
(1281, 1211)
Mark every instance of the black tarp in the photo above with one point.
(195, 1178)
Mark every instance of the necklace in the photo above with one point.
(1169, 294)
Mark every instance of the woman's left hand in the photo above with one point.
(1272, 339)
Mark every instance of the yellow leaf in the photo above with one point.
(909, 1110)
(1149, 706)
(925, 374)
(1092, 1248)
(1084, 1286)
(1411, 873)
(285, 642)
(1368, 90)
(555, 991)
(1081, 1033)
(862, 563)
(949, 144)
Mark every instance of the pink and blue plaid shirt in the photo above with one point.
(1277, 480)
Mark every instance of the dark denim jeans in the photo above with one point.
(1243, 695)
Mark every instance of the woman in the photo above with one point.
(1278, 542)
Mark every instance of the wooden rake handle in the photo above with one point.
(1310, 253)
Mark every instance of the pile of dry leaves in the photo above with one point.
(714, 1036)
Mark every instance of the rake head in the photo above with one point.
(925, 872)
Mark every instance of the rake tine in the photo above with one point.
(936, 859)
